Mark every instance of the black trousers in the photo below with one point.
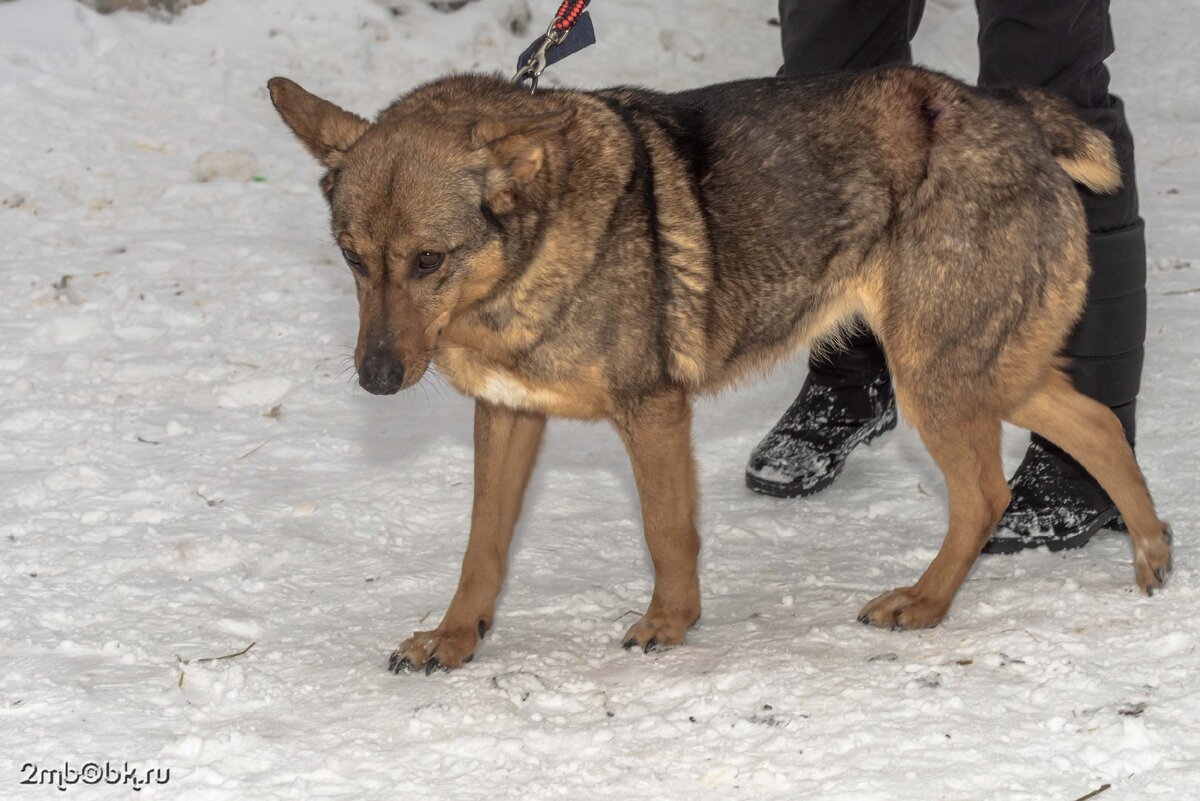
(1056, 44)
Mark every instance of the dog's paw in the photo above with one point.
(1152, 562)
(440, 649)
(655, 631)
(903, 608)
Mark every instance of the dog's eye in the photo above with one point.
(428, 261)
(354, 260)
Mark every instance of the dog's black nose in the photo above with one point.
(381, 375)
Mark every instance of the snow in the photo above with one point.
(186, 469)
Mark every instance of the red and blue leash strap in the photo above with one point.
(568, 14)
(570, 31)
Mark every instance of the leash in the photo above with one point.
(547, 49)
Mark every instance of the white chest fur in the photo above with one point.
(476, 376)
(505, 389)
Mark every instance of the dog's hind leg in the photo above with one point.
(1091, 433)
(968, 452)
(506, 445)
(657, 432)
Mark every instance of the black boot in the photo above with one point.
(843, 404)
(1055, 503)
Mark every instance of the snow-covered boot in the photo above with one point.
(1055, 503)
(807, 448)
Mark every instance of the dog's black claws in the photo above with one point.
(400, 665)
(1161, 575)
(652, 645)
(1149, 592)
(629, 643)
(482, 628)
(866, 621)
(469, 659)
(433, 664)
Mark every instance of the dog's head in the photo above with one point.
(420, 202)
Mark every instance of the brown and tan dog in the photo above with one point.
(607, 255)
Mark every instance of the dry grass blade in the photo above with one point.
(1094, 793)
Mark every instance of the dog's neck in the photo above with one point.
(552, 244)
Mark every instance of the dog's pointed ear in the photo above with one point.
(326, 130)
(519, 143)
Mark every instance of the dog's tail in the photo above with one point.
(1084, 153)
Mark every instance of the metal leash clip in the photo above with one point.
(535, 65)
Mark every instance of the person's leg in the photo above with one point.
(1062, 46)
(847, 398)
(824, 36)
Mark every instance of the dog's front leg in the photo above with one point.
(658, 435)
(506, 445)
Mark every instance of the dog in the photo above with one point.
(610, 254)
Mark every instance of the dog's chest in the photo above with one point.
(505, 388)
(477, 376)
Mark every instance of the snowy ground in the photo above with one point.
(185, 469)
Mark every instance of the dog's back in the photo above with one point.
(789, 193)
